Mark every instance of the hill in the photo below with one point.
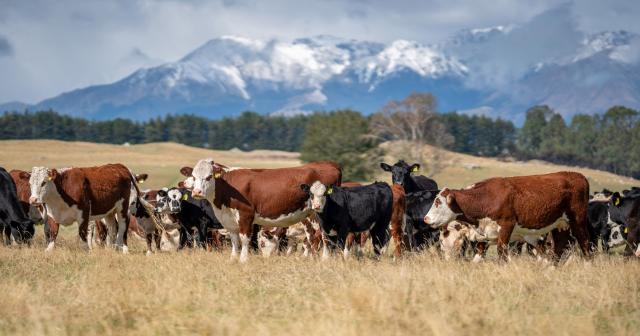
(162, 161)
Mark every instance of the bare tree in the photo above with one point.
(414, 121)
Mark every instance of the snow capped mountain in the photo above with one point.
(229, 74)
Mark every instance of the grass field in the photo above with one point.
(72, 291)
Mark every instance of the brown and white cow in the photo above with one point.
(268, 197)
(86, 194)
(526, 206)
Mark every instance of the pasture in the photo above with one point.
(72, 291)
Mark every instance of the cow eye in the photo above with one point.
(209, 177)
(43, 183)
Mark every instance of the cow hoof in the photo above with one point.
(477, 258)
(244, 258)
(125, 249)
(149, 253)
(49, 247)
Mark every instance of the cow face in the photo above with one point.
(169, 200)
(41, 183)
(204, 174)
(317, 195)
(616, 237)
(170, 240)
(452, 237)
(443, 210)
(400, 172)
(268, 242)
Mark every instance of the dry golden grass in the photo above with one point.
(71, 291)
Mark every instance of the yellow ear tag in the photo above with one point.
(184, 197)
(217, 175)
(415, 169)
(616, 202)
(626, 230)
(141, 182)
(50, 178)
(329, 191)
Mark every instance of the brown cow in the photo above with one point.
(269, 197)
(524, 206)
(86, 194)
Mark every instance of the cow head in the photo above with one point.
(444, 209)
(419, 203)
(203, 177)
(41, 182)
(400, 171)
(617, 235)
(452, 237)
(169, 200)
(318, 193)
(170, 240)
(268, 241)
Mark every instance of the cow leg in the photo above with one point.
(348, 243)
(54, 227)
(578, 224)
(235, 242)
(480, 250)
(379, 238)
(111, 224)
(6, 230)
(560, 242)
(123, 228)
(504, 235)
(149, 238)
(246, 225)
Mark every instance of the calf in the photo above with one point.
(527, 206)
(418, 235)
(13, 220)
(356, 209)
(268, 197)
(625, 211)
(85, 194)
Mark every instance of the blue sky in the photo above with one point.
(47, 47)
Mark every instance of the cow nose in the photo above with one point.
(196, 193)
(33, 200)
(426, 219)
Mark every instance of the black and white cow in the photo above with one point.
(417, 234)
(625, 211)
(599, 224)
(350, 210)
(13, 221)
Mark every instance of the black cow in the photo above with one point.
(13, 220)
(625, 211)
(599, 226)
(419, 235)
(354, 209)
(196, 214)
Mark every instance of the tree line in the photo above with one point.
(609, 142)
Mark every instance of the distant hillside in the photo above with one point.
(163, 161)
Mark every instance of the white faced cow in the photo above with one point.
(268, 197)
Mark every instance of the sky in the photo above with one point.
(50, 47)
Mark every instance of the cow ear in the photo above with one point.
(25, 175)
(305, 188)
(414, 168)
(140, 178)
(181, 184)
(52, 174)
(615, 198)
(450, 199)
(186, 171)
(385, 166)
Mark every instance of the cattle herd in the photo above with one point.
(278, 210)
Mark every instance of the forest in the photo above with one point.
(610, 141)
